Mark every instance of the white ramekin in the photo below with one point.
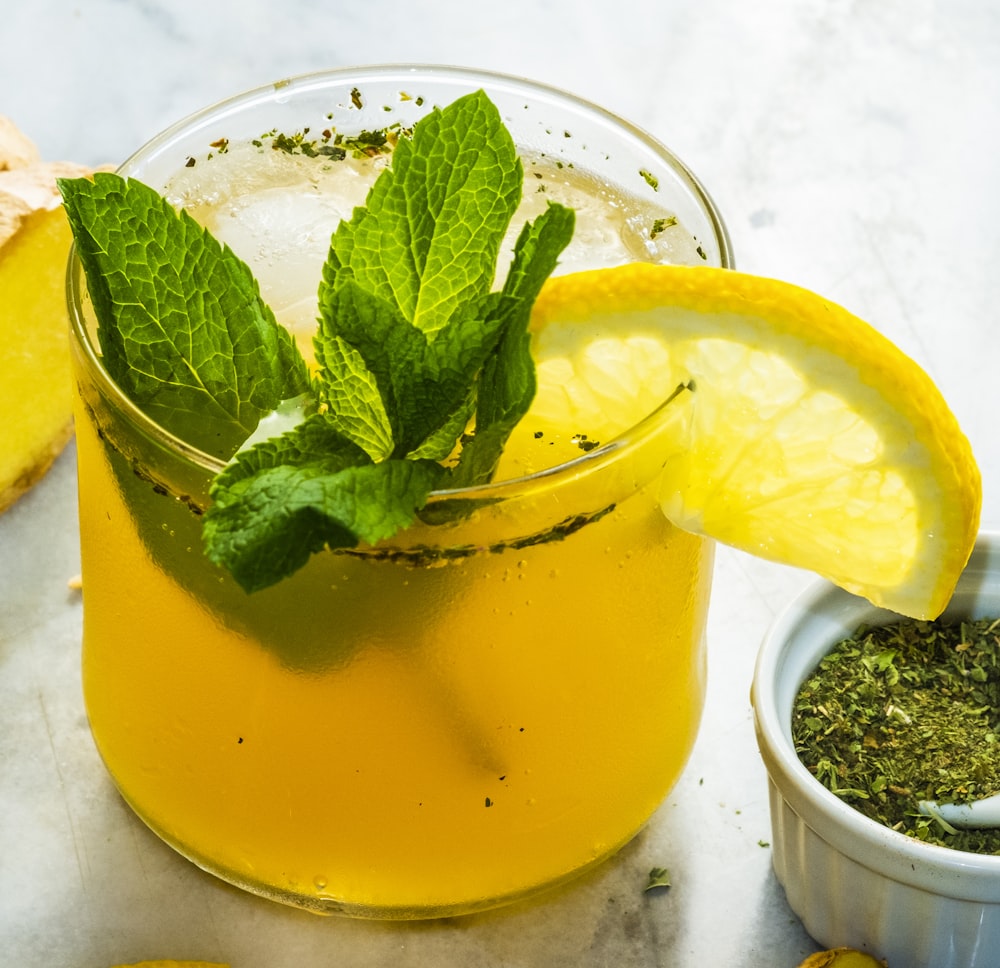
(851, 880)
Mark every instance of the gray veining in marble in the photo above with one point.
(851, 146)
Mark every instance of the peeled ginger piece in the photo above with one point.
(35, 382)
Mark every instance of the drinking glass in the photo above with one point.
(481, 707)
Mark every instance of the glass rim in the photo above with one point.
(626, 440)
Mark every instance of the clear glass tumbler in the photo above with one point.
(477, 709)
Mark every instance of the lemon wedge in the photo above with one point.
(801, 435)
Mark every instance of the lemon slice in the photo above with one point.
(801, 434)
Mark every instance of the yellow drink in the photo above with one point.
(483, 706)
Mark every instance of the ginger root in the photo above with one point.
(35, 382)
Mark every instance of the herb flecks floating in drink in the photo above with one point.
(413, 346)
(907, 712)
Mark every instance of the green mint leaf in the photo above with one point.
(181, 323)
(507, 384)
(311, 488)
(428, 238)
(441, 444)
(350, 392)
(658, 877)
(423, 381)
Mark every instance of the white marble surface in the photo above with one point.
(851, 146)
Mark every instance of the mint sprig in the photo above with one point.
(181, 324)
(413, 346)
